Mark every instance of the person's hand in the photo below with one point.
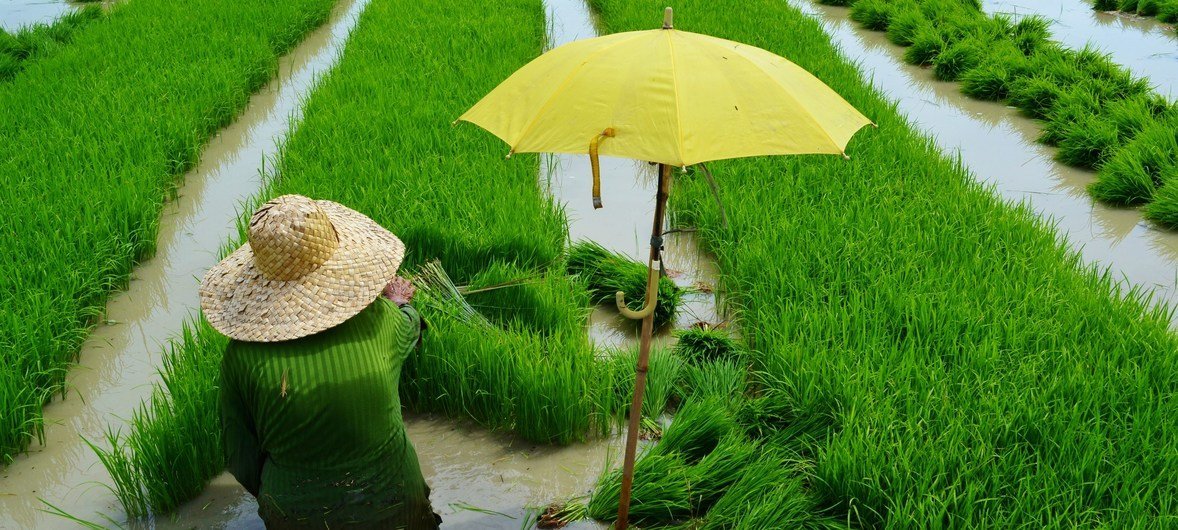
(400, 291)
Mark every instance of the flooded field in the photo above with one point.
(15, 14)
(1146, 47)
(998, 145)
(119, 362)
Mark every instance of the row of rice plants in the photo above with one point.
(39, 40)
(924, 354)
(377, 135)
(1094, 110)
(1165, 10)
(92, 138)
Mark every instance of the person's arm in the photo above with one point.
(400, 292)
(243, 455)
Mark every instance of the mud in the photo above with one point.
(119, 360)
(1146, 47)
(997, 144)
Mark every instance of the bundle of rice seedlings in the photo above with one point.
(699, 345)
(1164, 208)
(663, 376)
(1074, 105)
(769, 494)
(436, 290)
(718, 470)
(546, 302)
(607, 272)
(927, 44)
(1168, 12)
(905, 25)
(697, 429)
(992, 79)
(957, 58)
(1034, 95)
(722, 379)
(1088, 142)
(661, 491)
(1030, 33)
(874, 15)
(1148, 8)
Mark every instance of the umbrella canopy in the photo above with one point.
(669, 96)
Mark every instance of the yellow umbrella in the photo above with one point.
(667, 96)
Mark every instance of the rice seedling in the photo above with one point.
(927, 44)
(699, 345)
(39, 40)
(722, 379)
(957, 58)
(545, 302)
(874, 15)
(904, 27)
(1168, 12)
(697, 429)
(663, 376)
(1164, 209)
(1088, 142)
(661, 492)
(608, 272)
(1035, 95)
(85, 174)
(906, 325)
(1135, 172)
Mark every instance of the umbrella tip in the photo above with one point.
(668, 18)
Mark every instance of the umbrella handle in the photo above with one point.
(596, 165)
(652, 295)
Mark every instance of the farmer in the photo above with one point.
(309, 403)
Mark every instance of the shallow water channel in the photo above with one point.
(1146, 47)
(15, 14)
(998, 146)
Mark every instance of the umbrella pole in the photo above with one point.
(652, 289)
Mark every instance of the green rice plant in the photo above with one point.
(663, 376)
(1088, 142)
(1135, 172)
(543, 301)
(906, 325)
(40, 40)
(1035, 95)
(992, 79)
(718, 470)
(904, 27)
(957, 58)
(1106, 5)
(874, 15)
(1031, 33)
(1148, 8)
(91, 149)
(841, 3)
(699, 345)
(723, 379)
(608, 272)
(1168, 12)
(697, 429)
(661, 491)
(1076, 104)
(1164, 209)
(927, 44)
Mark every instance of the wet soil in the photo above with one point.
(119, 360)
(997, 144)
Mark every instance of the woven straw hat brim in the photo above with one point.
(241, 303)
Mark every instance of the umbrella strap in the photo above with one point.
(596, 164)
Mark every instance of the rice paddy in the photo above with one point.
(1093, 108)
(1165, 10)
(101, 167)
(913, 351)
(39, 40)
(924, 354)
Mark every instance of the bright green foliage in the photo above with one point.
(723, 379)
(664, 373)
(1135, 172)
(1168, 12)
(608, 272)
(41, 40)
(661, 491)
(927, 44)
(544, 302)
(699, 345)
(697, 429)
(1164, 209)
(907, 326)
(92, 138)
(875, 15)
(957, 58)
(1165, 10)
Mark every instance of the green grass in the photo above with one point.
(92, 139)
(608, 272)
(1093, 108)
(41, 40)
(1165, 10)
(925, 353)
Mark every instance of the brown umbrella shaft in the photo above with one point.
(652, 289)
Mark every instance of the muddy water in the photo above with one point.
(998, 145)
(624, 223)
(118, 362)
(1145, 46)
(15, 14)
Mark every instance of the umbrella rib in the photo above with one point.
(675, 89)
(564, 85)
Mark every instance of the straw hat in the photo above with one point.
(308, 266)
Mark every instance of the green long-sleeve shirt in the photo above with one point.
(313, 426)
